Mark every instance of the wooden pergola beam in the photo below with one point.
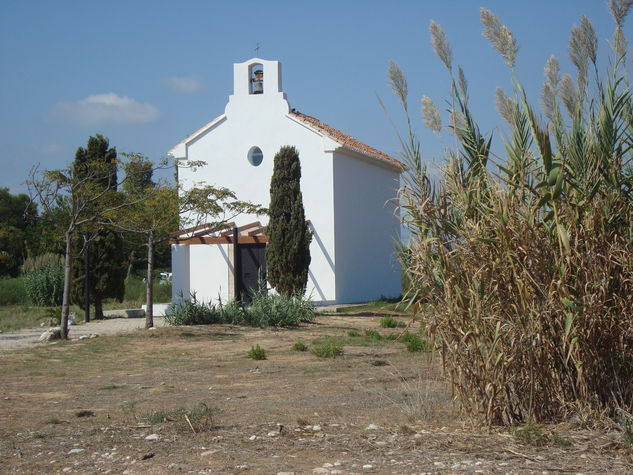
(220, 240)
(206, 228)
(254, 224)
(259, 230)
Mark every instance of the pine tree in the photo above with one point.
(288, 249)
(108, 265)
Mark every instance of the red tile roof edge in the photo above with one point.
(346, 141)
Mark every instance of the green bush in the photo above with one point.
(44, 279)
(390, 322)
(353, 333)
(265, 310)
(192, 312)
(373, 334)
(328, 349)
(413, 342)
(13, 291)
(300, 346)
(257, 353)
(273, 310)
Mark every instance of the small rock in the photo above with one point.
(146, 456)
(152, 437)
(316, 428)
(66, 469)
(208, 452)
(51, 334)
(338, 464)
(371, 427)
(273, 433)
(328, 465)
(336, 472)
(367, 466)
(252, 437)
(75, 451)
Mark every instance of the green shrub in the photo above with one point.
(328, 349)
(373, 334)
(353, 333)
(530, 434)
(390, 322)
(44, 279)
(626, 423)
(13, 291)
(413, 342)
(264, 311)
(257, 353)
(192, 312)
(274, 310)
(300, 346)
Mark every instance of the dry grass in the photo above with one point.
(291, 412)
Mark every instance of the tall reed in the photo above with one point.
(526, 262)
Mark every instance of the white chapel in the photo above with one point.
(348, 192)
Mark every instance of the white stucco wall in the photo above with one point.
(366, 229)
(343, 197)
(262, 121)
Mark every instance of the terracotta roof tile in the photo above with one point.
(346, 141)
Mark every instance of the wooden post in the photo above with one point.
(87, 281)
(236, 263)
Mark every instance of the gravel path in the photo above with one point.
(29, 337)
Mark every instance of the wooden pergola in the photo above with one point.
(228, 233)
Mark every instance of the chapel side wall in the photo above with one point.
(366, 230)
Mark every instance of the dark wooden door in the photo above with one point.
(251, 262)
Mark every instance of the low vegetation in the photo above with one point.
(390, 322)
(17, 311)
(257, 353)
(328, 349)
(265, 310)
(196, 419)
(300, 346)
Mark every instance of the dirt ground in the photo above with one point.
(109, 405)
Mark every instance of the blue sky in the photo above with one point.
(148, 73)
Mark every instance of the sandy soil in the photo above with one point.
(29, 337)
(110, 405)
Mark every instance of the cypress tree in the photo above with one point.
(108, 264)
(288, 248)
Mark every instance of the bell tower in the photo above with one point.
(257, 82)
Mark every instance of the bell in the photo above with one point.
(258, 82)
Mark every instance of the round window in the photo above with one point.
(255, 156)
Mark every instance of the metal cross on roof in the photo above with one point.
(257, 50)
